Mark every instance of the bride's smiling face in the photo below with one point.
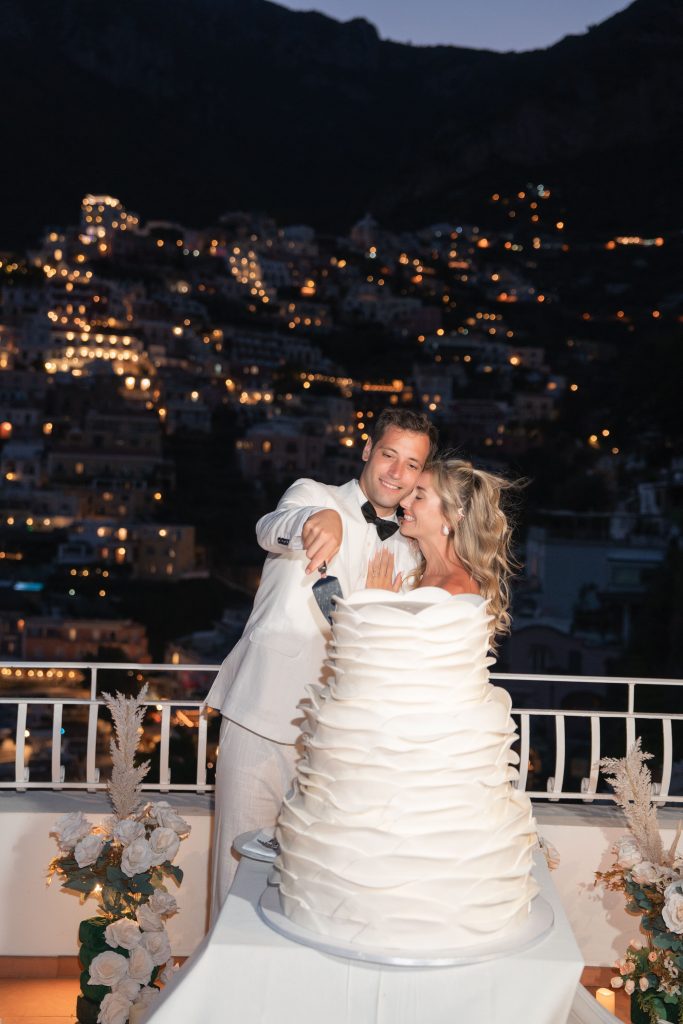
(422, 513)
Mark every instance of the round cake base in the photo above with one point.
(538, 924)
(254, 845)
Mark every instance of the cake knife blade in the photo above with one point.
(325, 590)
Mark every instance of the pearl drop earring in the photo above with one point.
(445, 530)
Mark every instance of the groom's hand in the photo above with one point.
(322, 537)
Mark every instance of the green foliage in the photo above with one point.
(141, 884)
(94, 993)
(91, 932)
(116, 879)
(86, 955)
(86, 1010)
(174, 871)
(81, 882)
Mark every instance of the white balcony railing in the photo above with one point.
(625, 720)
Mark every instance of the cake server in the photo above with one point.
(325, 590)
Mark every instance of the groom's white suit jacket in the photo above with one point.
(283, 645)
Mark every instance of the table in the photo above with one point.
(244, 973)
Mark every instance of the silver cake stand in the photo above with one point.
(537, 925)
(256, 845)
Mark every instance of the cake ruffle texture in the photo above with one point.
(404, 830)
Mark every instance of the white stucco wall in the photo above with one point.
(41, 921)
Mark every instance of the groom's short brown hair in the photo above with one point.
(405, 419)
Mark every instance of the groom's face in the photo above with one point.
(392, 465)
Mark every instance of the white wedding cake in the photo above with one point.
(404, 830)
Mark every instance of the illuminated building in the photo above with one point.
(102, 216)
(48, 638)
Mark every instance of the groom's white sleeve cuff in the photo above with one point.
(281, 530)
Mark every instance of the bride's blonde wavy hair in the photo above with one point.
(480, 531)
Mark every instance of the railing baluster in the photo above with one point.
(559, 757)
(595, 753)
(164, 766)
(20, 769)
(667, 760)
(631, 697)
(594, 772)
(523, 751)
(203, 724)
(92, 774)
(630, 732)
(57, 774)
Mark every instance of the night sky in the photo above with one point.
(484, 24)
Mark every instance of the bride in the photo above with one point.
(455, 517)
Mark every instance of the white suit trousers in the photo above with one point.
(252, 776)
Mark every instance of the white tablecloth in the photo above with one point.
(244, 973)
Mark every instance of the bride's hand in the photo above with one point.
(381, 573)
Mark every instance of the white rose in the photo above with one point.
(124, 933)
(147, 996)
(164, 843)
(127, 987)
(108, 968)
(168, 972)
(148, 920)
(617, 982)
(672, 911)
(142, 1006)
(163, 903)
(137, 857)
(114, 1009)
(70, 828)
(158, 946)
(163, 813)
(629, 987)
(88, 849)
(628, 854)
(644, 984)
(140, 965)
(645, 873)
(127, 831)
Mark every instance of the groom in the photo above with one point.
(283, 646)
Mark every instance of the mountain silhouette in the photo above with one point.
(185, 109)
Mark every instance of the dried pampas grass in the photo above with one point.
(124, 785)
(631, 781)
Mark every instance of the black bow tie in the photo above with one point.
(385, 528)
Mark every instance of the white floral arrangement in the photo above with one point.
(651, 878)
(123, 863)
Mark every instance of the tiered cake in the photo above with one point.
(404, 830)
